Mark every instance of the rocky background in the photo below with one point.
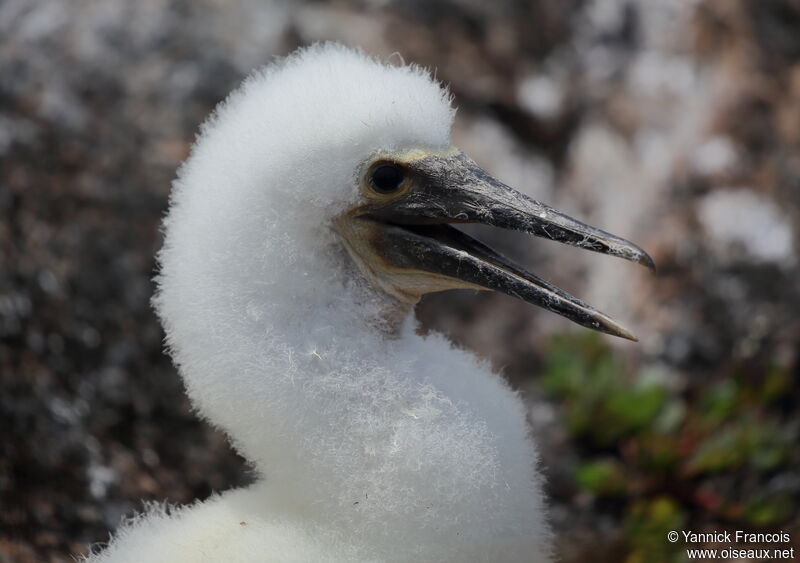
(674, 123)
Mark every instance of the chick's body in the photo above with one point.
(372, 443)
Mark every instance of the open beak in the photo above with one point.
(417, 235)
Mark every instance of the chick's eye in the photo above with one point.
(387, 178)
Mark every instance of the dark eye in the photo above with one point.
(387, 178)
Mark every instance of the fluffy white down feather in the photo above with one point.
(369, 448)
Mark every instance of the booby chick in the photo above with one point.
(314, 211)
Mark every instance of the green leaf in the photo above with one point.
(647, 523)
(720, 452)
(768, 510)
(719, 402)
(604, 477)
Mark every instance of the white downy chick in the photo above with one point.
(313, 212)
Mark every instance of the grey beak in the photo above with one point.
(456, 190)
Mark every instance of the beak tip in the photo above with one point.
(609, 326)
